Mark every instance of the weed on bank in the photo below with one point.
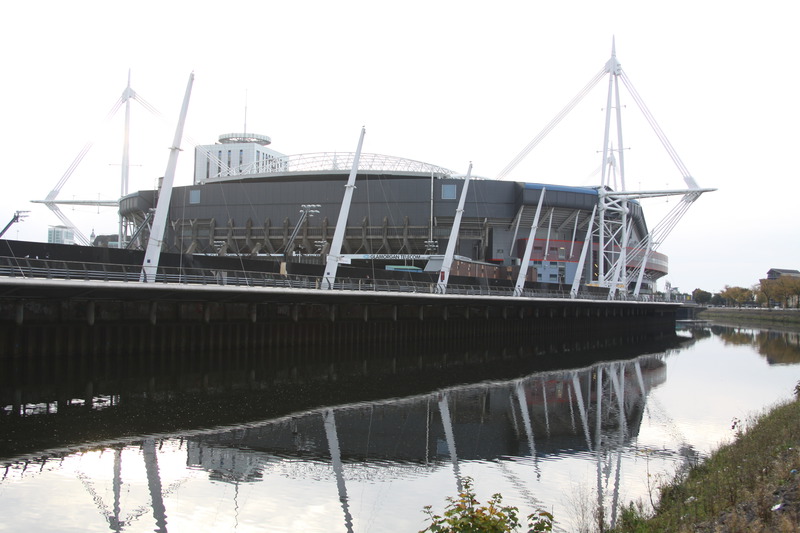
(751, 484)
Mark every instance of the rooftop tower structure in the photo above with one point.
(236, 154)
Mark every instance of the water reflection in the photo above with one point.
(567, 410)
(594, 409)
(552, 413)
(360, 465)
(778, 347)
(52, 400)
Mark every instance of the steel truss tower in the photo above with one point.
(621, 260)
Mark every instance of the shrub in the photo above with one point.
(465, 514)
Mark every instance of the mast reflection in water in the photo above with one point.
(579, 441)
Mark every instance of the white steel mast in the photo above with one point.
(615, 233)
(526, 258)
(587, 245)
(127, 95)
(447, 262)
(51, 200)
(334, 255)
(614, 225)
(617, 266)
(157, 230)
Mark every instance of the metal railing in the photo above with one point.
(47, 269)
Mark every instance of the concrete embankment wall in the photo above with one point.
(81, 349)
(67, 327)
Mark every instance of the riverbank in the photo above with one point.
(751, 317)
(751, 484)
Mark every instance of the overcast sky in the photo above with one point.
(441, 82)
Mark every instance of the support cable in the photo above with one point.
(67, 222)
(687, 177)
(52, 195)
(553, 123)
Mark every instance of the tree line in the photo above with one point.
(783, 292)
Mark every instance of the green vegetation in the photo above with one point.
(753, 317)
(465, 514)
(751, 484)
(783, 292)
(701, 297)
(737, 296)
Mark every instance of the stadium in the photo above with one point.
(250, 201)
(277, 212)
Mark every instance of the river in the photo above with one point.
(365, 444)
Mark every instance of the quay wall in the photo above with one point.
(121, 326)
(58, 346)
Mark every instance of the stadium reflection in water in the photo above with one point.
(579, 441)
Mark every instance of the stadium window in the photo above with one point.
(449, 192)
(194, 196)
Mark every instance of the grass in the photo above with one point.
(744, 316)
(751, 484)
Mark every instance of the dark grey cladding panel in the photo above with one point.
(139, 202)
(637, 214)
(485, 199)
(375, 197)
(556, 196)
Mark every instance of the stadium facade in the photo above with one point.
(251, 201)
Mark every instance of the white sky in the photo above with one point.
(441, 82)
